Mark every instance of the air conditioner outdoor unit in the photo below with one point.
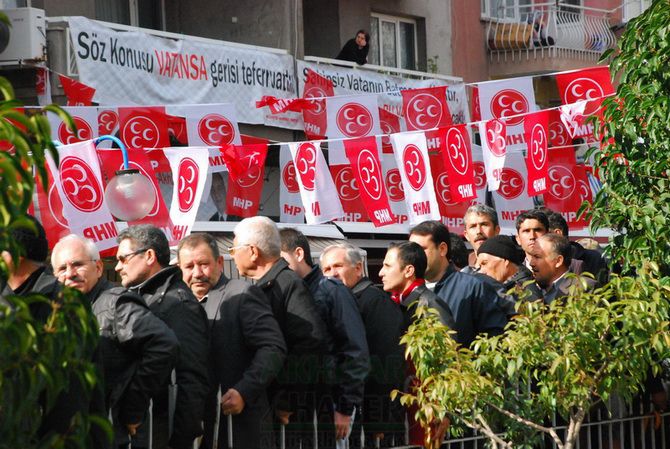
(25, 40)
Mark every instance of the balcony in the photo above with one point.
(546, 37)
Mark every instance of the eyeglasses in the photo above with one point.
(124, 258)
(231, 249)
(77, 265)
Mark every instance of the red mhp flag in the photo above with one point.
(77, 93)
(589, 85)
(108, 121)
(568, 186)
(558, 133)
(364, 158)
(251, 140)
(426, 108)
(50, 211)
(457, 155)
(348, 192)
(451, 212)
(246, 168)
(144, 127)
(315, 119)
(111, 160)
(6, 145)
(476, 110)
(537, 139)
(390, 124)
(177, 128)
(279, 105)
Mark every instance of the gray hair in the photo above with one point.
(261, 232)
(89, 246)
(352, 253)
(148, 237)
(483, 209)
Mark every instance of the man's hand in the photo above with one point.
(283, 416)
(232, 402)
(132, 429)
(342, 423)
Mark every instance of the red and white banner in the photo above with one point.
(290, 203)
(479, 170)
(317, 188)
(364, 158)
(77, 93)
(425, 108)
(177, 129)
(315, 120)
(246, 170)
(389, 124)
(350, 117)
(394, 188)
(411, 155)
(346, 184)
(85, 120)
(111, 160)
(451, 212)
(212, 125)
(494, 149)
(189, 175)
(568, 186)
(511, 198)
(457, 154)
(558, 133)
(476, 109)
(43, 86)
(508, 98)
(49, 211)
(589, 85)
(280, 105)
(108, 122)
(144, 127)
(538, 148)
(79, 183)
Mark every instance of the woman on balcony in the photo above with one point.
(356, 49)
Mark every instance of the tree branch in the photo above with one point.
(531, 424)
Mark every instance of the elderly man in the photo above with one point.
(348, 360)
(473, 303)
(481, 223)
(530, 225)
(382, 418)
(138, 350)
(550, 263)
(500, 261)
(247, 346)
(143, 259)
(256, 252)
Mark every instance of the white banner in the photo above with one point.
(317, 189)
(411, 155)
(137, 68)
(479, 170)
(351, 81)
(79, 183)
(494, 148)
(511, 198)
(189, 174)
(290, 203)
(85, 120)
(505, 98)
(350, 116)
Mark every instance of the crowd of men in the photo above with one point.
(247, 363)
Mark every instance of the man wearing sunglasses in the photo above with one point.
(143, 262)
(138, 350)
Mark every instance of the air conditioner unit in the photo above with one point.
(25, 40)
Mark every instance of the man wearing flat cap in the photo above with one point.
(500, 259)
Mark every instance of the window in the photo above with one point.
(139, 13)
(633, 8)
(392, 42)
(511, 10)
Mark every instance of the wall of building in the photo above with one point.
(470, 55)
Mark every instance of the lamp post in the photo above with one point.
(129, 194)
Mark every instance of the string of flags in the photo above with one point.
(380, 167)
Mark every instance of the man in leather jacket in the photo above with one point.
(143, 259)
(137, 349)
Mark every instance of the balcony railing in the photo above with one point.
(550, 30)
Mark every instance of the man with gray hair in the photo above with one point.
(256, 251)
(137, 349)
(144, 266)
(382, 418)
(480, 224)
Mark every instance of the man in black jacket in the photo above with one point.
(143, 263)
(349, 362)
(382, 419)
(138, 350)
(256, 252)
(247, 346)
